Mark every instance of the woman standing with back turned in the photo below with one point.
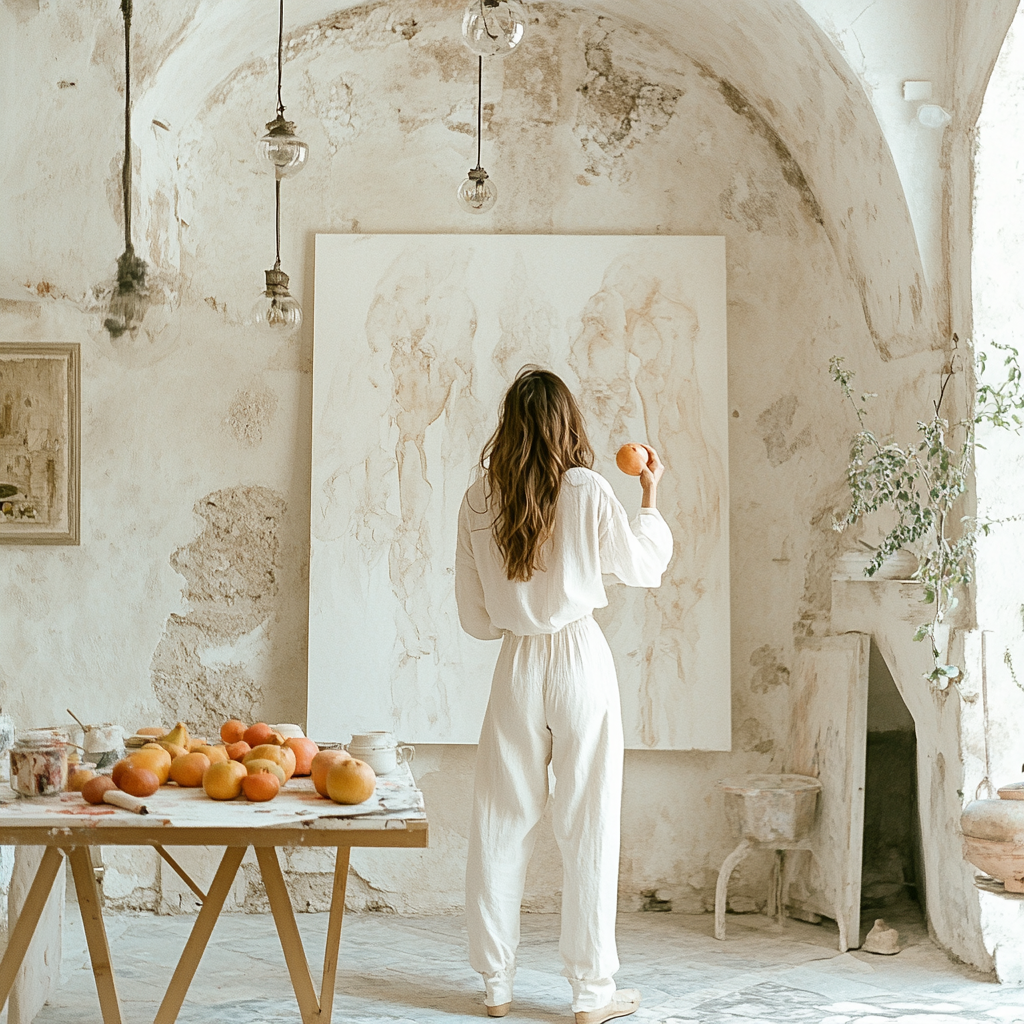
(535, 535)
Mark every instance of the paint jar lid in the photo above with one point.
(39, 739)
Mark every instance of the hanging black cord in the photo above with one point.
(479, 106)
(126, 169)
(280, 53)
(277, 203)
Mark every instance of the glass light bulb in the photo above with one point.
(282, 149)
(477, 194)
(127, 309)
(277, 313)
(494, 28)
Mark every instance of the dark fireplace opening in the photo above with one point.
(892, 876)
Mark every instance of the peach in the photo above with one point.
(261, 764)
(153, 758)
(257, 734)
(632, 459)
(351, 781)
(139, 782)
(260, 786)
(188, 770)
(305, 750)
(223, 780)
(320, 765)
(94, 789)
(233, 730)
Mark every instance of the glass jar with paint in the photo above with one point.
(39, 763)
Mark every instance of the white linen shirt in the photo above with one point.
(592, 535)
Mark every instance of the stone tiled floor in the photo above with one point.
(398, 969)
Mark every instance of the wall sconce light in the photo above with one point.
(276, 309)
(931, 115)
(490, 28)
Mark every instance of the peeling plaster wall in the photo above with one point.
(998, 274)
(188, 593)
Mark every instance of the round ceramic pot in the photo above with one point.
(994, 839)
(380, 750)
(771, 808)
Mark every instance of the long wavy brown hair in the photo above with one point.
(540, 435)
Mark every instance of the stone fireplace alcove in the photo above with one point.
(889, 611)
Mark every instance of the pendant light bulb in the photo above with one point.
(282, 149)
(276, 311)
(477, 194)
(493, 28)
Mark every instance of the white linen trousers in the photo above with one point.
(554, 699)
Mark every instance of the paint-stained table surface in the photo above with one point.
(67, 826)
(184, 817)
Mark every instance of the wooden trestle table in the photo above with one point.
(297, 817)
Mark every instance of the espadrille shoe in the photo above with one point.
(500, 1010)
(624, 1002)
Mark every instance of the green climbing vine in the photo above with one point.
(923, 483)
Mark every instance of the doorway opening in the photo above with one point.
(892, 867)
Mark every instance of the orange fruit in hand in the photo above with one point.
(139, 782)
(94, 789)
(632, 459)
(188, 769)
(232, 730)
(305, 750)
(351, 781)
(237, 751)
(321, 764)
(257, 734)
(260, 786)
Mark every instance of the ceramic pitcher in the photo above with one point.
(380, 750)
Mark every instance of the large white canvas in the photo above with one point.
(416, 338)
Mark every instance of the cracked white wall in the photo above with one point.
(188, 593)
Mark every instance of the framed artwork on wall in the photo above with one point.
(40, 443)
(416, 338)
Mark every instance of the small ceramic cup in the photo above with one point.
(380, 751)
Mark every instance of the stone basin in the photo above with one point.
(994, 839)
(772, 809)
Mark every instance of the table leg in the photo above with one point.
(334, 933)
(95, 933)
(728, 865)
(24, 929)
(288, 932)
(200, 935)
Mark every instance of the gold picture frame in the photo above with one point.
(40, 443)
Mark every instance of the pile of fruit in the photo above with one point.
(255, 760)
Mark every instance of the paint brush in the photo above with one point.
(128, 802)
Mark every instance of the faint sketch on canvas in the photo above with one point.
(416, 338)
(39, 444)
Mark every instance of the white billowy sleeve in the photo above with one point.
(469, 591)
(636, 552)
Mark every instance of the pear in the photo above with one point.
(178, 736)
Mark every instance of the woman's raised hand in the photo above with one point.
(650, 476)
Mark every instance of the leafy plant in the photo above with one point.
(922, 482)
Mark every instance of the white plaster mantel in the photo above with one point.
(890, 611)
